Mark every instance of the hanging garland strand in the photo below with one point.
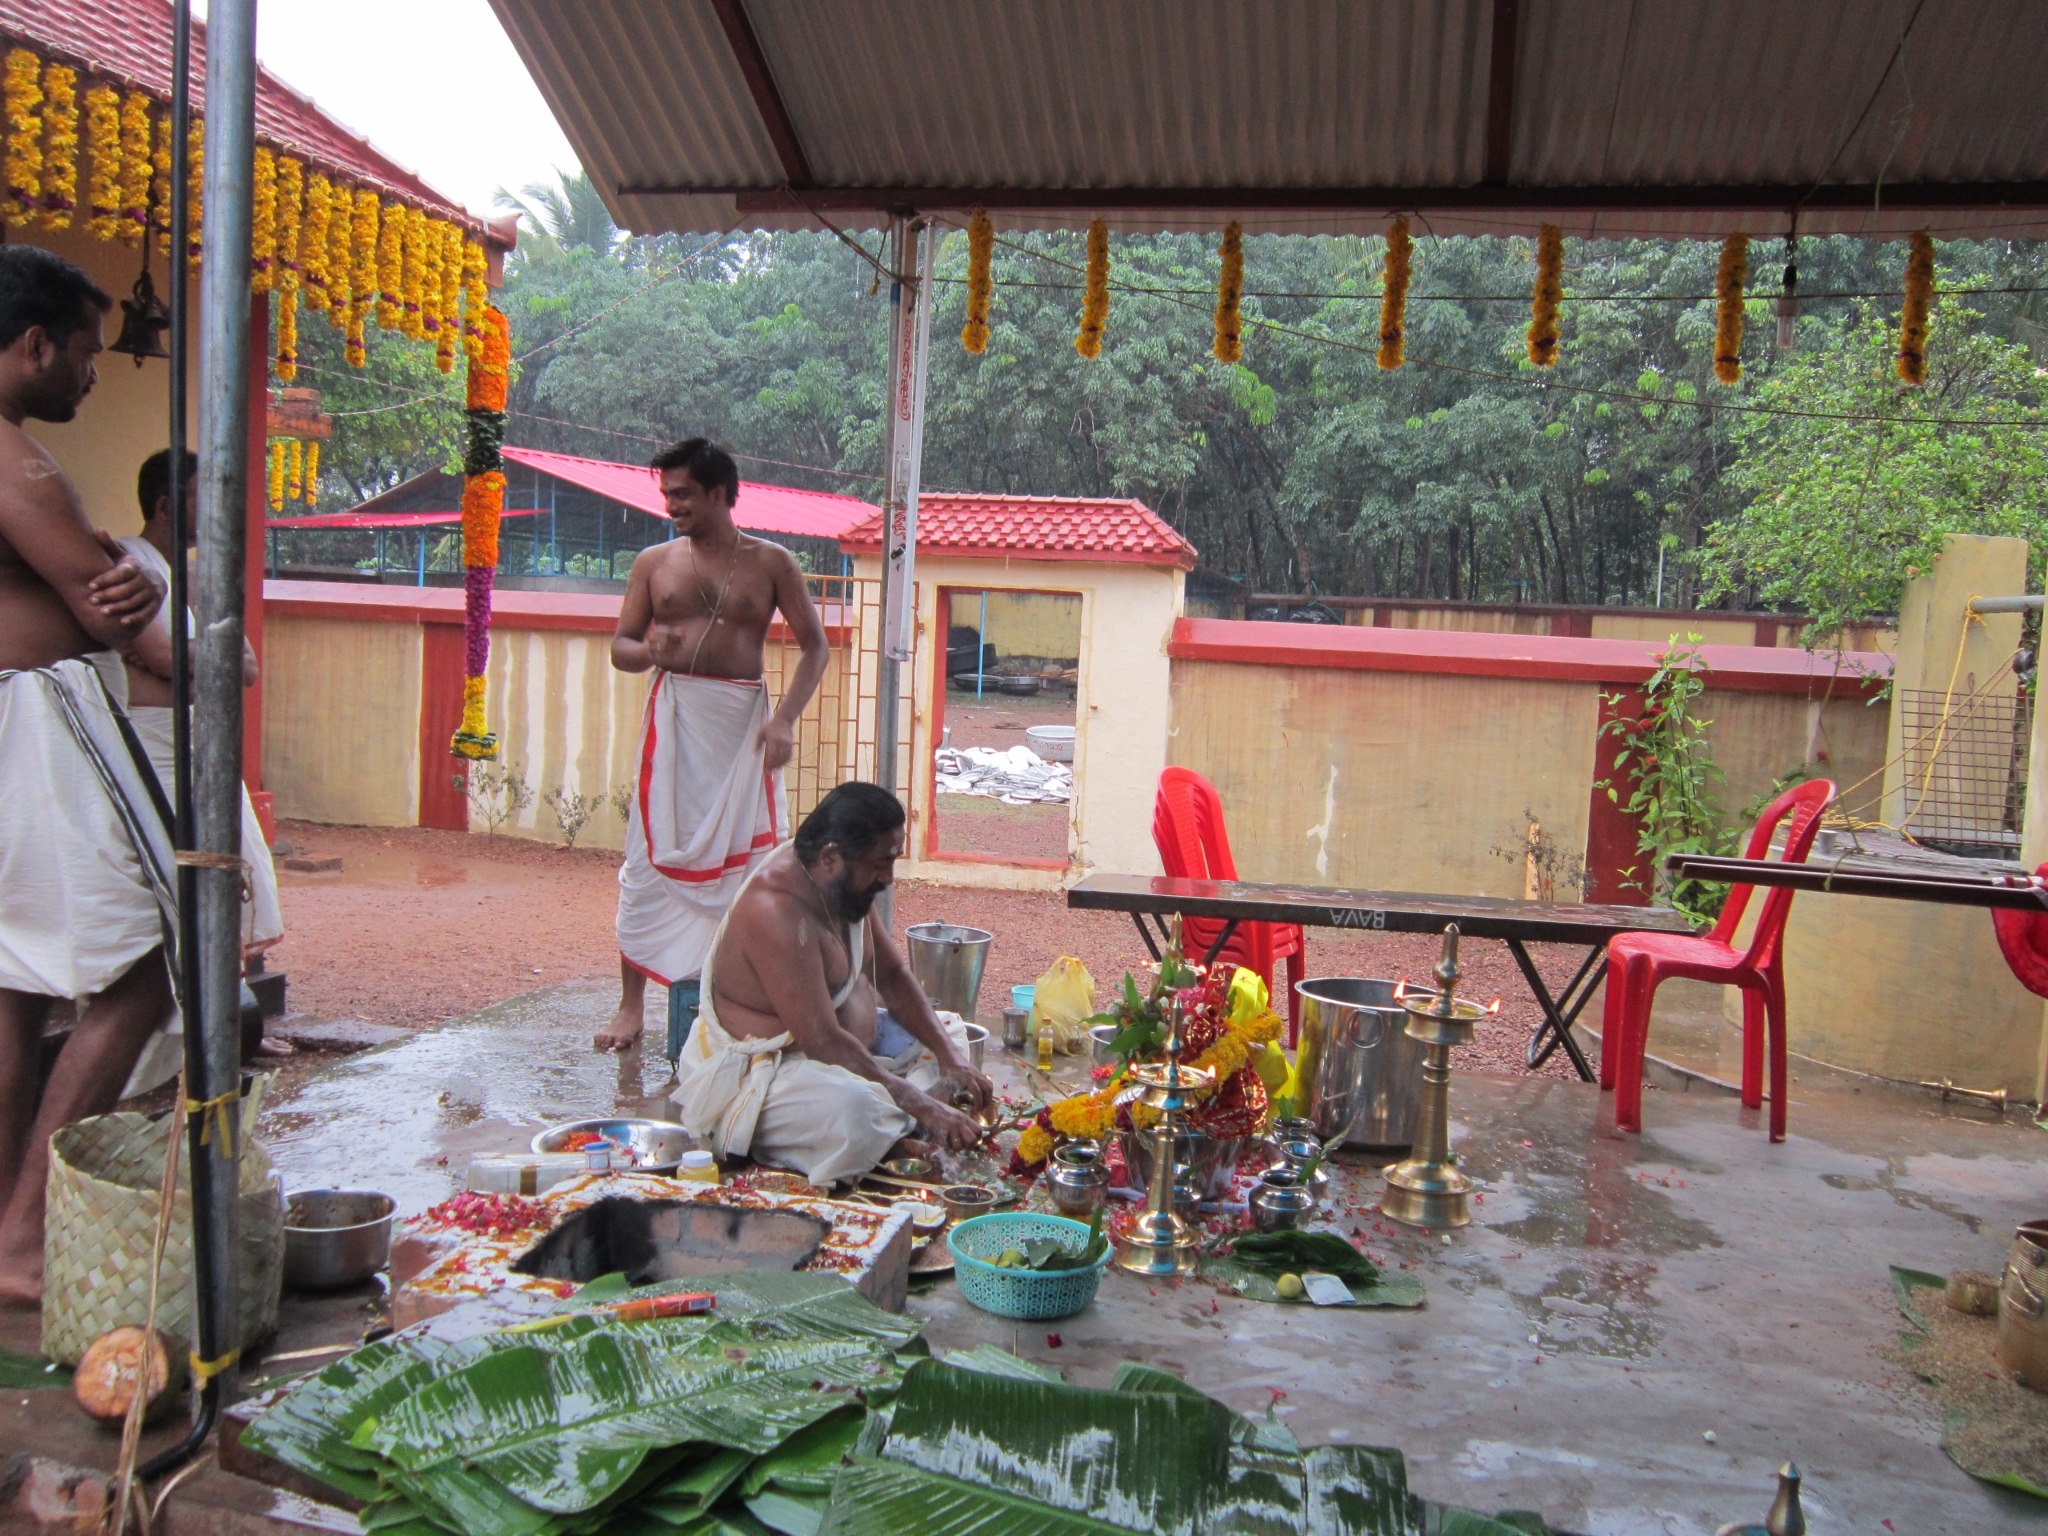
(60, 188)
(1228, 345)
(1913, 314)
(1394, 296)
(21, 94)
(981, 249)
(1728, 283)
(483, 503)
(137, 167)
(1095, 301)
(103, 173)
(1549, 293)
(312, 471)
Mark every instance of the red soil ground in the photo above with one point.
(421, 927)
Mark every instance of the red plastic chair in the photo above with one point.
(1638, 962)
(1188, 830)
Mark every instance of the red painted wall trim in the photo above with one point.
(367, 603)
(1003, 860)
(1031, 555)
(1552, 658)
(1611, 833)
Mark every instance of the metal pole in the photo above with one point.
(224, 314)
(981, 649)
(888, 671)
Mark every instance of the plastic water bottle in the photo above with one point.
(1044, 1044)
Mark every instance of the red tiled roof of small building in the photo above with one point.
(128, 42)
(999, 527)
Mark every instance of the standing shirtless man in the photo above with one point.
(84, 855)
(707, 799)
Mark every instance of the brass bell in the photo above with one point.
(144, 319)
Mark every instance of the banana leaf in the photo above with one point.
(793, 1514)
(809, 1460)
(997, 1361)
(26, 1373)
(1270, 1435)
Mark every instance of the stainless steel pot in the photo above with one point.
(1360, 1073)
(977, 1045)
(1207, 1162)
(1279, 1202)
(947, 960)
(1077, 1181)
(1099, 1038)
(335, 1237)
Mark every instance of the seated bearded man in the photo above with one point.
(792, 1061)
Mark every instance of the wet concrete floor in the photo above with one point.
(1617, 1299)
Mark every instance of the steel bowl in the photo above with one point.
(963, 1202)
(652, 1146)
(335, 1237)
(977, 1045)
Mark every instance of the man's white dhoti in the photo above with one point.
(706, 811)
(86, 885)
(262, 917)
(763, 1099)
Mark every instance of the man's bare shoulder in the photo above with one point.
(32, 485)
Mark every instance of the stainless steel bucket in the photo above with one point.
(947, 960)
(1360, 1074)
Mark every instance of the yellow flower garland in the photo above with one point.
(448, 338)
(1919, 300)
(1394, 296)
(1035, 1145)
(195, 189)
(475, 299)
(1095, 301)
(277, 476)
(1728, 281)
(294, 470)
(391, 268)
(60, 186)
(341, 261)
(287, 364)
(291, 211)
(1228, 344)
(103, 175)
(160, 182)
(138, 167)
(313, 243)
(1549, 292)
(981, 246)
(312, 471)
(21, 97)
(366, 245)
(430, 277)
(1089, 1115)
(262, 220)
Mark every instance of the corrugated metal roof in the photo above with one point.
(129, 41)
(759, 509)
(1037, 528)
(1627, 116)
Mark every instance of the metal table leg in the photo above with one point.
(1559, 1014)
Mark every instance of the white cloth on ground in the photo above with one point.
(262, 916)
(764, 1099)
(706, 811)
(86, 875)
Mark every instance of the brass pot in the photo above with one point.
(2023, 1307)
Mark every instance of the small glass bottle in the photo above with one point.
(698, 1168)
(1044, 1044)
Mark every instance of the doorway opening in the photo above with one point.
(1004, 712)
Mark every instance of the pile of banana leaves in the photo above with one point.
(799, 1408)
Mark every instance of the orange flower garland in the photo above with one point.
(277, 477)
(1228, 343)
(1728, 283)
(430, 278)
(412, 308)
(160, 182)
(291, 210)
(60, 184)
(1095, 301)
(981, 246)
(294, 469)
(103, 175)
(448, 338)
(1919, 301)
(1549, 292)
(138, 167)
(391, 268)
(367, 244)
(1394, 296)
(341, 261)
(483, 504)
(312, 471)
(21, 98)
(287, 364)
(313, 242)
(263, 220)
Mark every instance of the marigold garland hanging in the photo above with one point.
(160, 182)
(294, 469)
(1728, 317)
(312, 471)
(291, 210)
(286, 365)
(483, 504)
(195, 190)
(60, 181)
(475, 299)
(1095, 301)
(103, 167)
(313, 242)
(1549, 293)
(367, 237)
(430, 279)
(1228, 344)
(262, 220)
(276, 476)
(1394, 296)
(448, 338)
(1919, 300)
(138, 167)
(341, 225)
(391, 268)
(21, 97)
(981, 247)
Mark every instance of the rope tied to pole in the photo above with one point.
(215, 1112)
(194, 858)
(204, 1371)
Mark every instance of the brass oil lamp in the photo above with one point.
(1160, 1243)
(1428, 1190)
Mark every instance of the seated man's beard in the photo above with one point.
(848, 904)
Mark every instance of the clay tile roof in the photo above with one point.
(128, 42)
(1002, 527)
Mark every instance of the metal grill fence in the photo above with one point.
(835, 738)
(1965, 767)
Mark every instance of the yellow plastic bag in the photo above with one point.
(1248, 1000)
(1063, 1003)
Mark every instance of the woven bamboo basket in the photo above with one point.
(105, 1174)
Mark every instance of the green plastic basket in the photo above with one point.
(1029, 1295)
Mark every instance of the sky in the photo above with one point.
(434, 84)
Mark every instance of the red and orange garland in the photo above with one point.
(483, 503)
(1913, 314)
(1728, 281)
